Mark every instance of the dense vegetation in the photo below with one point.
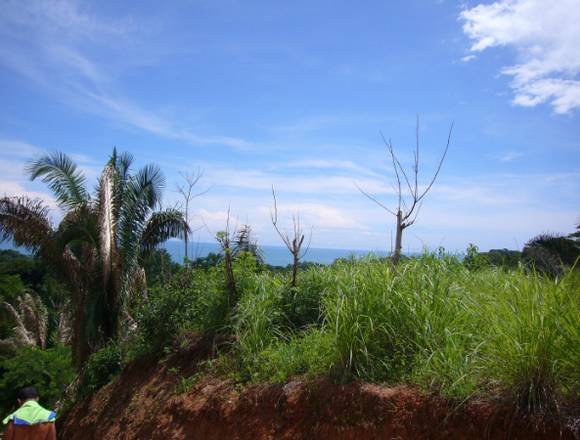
(430, 321)
(97, 249)
(33, 339)
(496, 323)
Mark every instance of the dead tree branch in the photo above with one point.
(408, 206)
(186, 191)
(295, 242)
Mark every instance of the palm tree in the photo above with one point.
(97, 246)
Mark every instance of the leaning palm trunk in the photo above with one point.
(108, 250)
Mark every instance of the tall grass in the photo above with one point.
(431, 321)
(531, 343)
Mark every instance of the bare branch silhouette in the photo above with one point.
(407, 211)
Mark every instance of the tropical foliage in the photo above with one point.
(96, 248)
(551, 253)
(50, 371)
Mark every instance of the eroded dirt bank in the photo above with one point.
(144, 404)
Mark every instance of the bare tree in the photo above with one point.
(409, 194)
(294, 243)
(186, 191)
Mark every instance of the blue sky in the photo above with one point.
(294, 94)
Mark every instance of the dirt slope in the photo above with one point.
(143, 404)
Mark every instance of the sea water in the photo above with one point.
(273, 255)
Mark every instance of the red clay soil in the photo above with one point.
(142, 404)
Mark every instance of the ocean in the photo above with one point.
(273, 255)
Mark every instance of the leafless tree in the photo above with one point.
(186, 191)
(294, 243)
(407, 189)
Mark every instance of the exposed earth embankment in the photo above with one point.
(147, 402)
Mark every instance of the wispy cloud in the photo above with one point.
(327, 164)
(315, 215)
(18, 149)
(545, 36)
(508, 156)
(14, 180)
(59, 38)
(295, 182)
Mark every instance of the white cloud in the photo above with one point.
(545, 36)
(294, 183)
(18, 149)
(14, 180)
(315, 215)
(326, 164)
(11, 188)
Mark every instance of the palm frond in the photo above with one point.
(25, 221)
(142, 194)
(124, 163)
(79, 225)
(62, 176)
(121, 163)
(163, 225)
(147, 185)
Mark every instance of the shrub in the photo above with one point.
(100, 369)
(550, 253)
(311, 352)
(504, 258)
(302, 305)
(474, 259)
(194, 299)
(50, 371)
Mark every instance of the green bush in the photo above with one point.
(50, 371)
(551, 253)
(194, 299)
(311, 353)
(100, 369)
(302, 305)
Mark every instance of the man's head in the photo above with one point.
(27, 393)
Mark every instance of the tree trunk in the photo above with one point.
(231, 280)
(398, 238)
(185, 240)
(185, 232)
(295, 264)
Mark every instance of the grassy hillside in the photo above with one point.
(432, 322)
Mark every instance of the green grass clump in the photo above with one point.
(531, 340)
(432, 321)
